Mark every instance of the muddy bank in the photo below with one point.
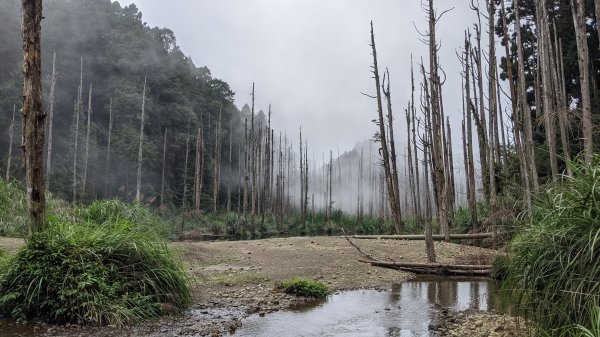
(481, 324)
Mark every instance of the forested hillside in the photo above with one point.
(111, 51)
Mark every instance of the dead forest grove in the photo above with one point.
(115, 146)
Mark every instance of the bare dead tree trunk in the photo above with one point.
(198, 169)
(217, 168)
(185, 174)
(33, 115)
(492, 96)
(561, 96)
(429, 246)
(451, 187)
(50, 123)
(246, 163)
(253, 151)
(383, 140)
(302, 191)
(330, 203)
(268, 172)
(162, 180)
(414, 144)
(529, 152)
(395, 208)
(437, 150)
(78, 109)
(11, 130)
(138, 188)
(480, 115)
(470, 168)
(107, 171)
(87, 141)
(75, 149)
(544, 67)
(584, 75)
(229, 175)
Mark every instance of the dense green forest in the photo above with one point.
(116, 50)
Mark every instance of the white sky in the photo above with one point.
(311, 59)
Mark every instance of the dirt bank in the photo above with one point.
(237, 278)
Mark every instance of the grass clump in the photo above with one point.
(117, 273)
(553, 267)
(113, 210)
(304, 287)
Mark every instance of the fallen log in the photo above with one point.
(435, 268)
(438, 237)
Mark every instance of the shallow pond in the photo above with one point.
(407, 309)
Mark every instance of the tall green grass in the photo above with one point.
(114, 273)
(13, 208)
(554, 267)
(113, 210)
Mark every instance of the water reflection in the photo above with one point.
(405, 310)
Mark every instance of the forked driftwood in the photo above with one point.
(425, 268)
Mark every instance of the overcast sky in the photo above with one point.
(311, 59)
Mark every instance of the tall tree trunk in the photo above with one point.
(492, 96)
(229, 175)
(75, 149)
(185, 175)
(330, 203)
(302, 191)
(138, 188)
(395, 208)
(383, 140)
(480, 115)
(529, 152)
(217, 168)
(584, 76)
(107, 171)
(33, 115)
(10, 142)
(78, 109)
(545, 67)
(198, 169)
(253, 151)
(563, 104)
(87, 141)
(162, 180)
(437, 149)
(470, 169)
(50, 122)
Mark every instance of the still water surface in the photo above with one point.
(406, 310)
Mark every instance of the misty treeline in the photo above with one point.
(130, 116)
(525, 114)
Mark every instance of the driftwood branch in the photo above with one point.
(435, 268)
(369, 257)
(422, 237)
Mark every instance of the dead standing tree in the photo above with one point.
(33, 115)
(584, 74)
(217, 168)
(381, 137)
(11, 131)
(438, 142)
(50, 122)
(138, 188)
(87, 141)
